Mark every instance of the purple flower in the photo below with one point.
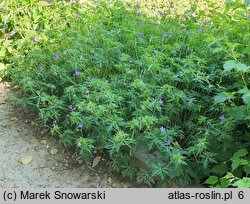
(6, 87)
(39, 28)
(221, 117)
(168, 142)
(171, 4)
(248, 16)
(80, 125)
(201, 29)
(71, 107)
(164, 35)
(41, 68)
(138, 13)
(175, 55)
(160, 12)
(208, 22)
(162, 129)
(57, 56)
(142, 25)
(33, 40)
(161, 101)
(77, 73)
(141, 35)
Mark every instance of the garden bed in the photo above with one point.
(161, 87)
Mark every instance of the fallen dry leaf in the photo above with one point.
(14, 119)
(96, 161)
(26, 160)
(53, 151)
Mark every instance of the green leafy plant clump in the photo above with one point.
(223, 176)
(164, 92)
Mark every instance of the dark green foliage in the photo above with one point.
(167, 97)
(233, 173)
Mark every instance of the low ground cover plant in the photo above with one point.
(163, 91)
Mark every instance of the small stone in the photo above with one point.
(110, 180)
(116, 185)
(66, 165)
(85, 166)
(43, 142)
(53, 168)
(27, 121)
(56, 164)
(49, 178)
(36, 148)
(26, 111)
(53, 151)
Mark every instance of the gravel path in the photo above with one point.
(31, 158)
